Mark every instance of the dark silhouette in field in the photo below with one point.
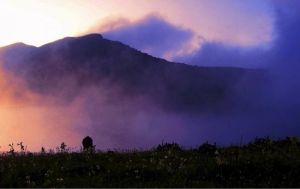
(168, 147)
(87, 143)
(208, 149)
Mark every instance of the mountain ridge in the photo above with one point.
(91, 59)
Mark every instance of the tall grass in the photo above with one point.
(261, 163)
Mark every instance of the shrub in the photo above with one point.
(168, 147)
(208, 149)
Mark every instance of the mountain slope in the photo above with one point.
(64, 67)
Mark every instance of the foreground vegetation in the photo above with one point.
(262, 163)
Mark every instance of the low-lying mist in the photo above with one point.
(43, 120)
(116, 119)
(34, 119)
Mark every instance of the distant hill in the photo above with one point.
(70, 64)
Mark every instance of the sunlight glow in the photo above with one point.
(38, 22)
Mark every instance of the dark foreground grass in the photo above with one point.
(263, 163)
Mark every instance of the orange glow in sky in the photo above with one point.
(38, 22)
(33, 119)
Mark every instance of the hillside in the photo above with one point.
(64, 67)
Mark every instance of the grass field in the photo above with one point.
(261, 163)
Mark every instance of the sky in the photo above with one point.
(248, 23)
(248, 33)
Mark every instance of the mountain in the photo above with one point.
(64, 67)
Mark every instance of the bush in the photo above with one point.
(208, 149)
(168, 147)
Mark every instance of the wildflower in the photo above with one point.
(151, 160)
(220, 161)
(216, 152)
(47, 174)
(97, 167)
(27, 179)
(32, 183)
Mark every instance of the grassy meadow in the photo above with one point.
(261, 163)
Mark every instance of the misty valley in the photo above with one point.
(129, 101)
(124, 98)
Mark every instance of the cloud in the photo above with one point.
(152, 34)
(217, 54)
(283, 48)
(287, 42)
(272, 107)
(284, 58)
(156, 36)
